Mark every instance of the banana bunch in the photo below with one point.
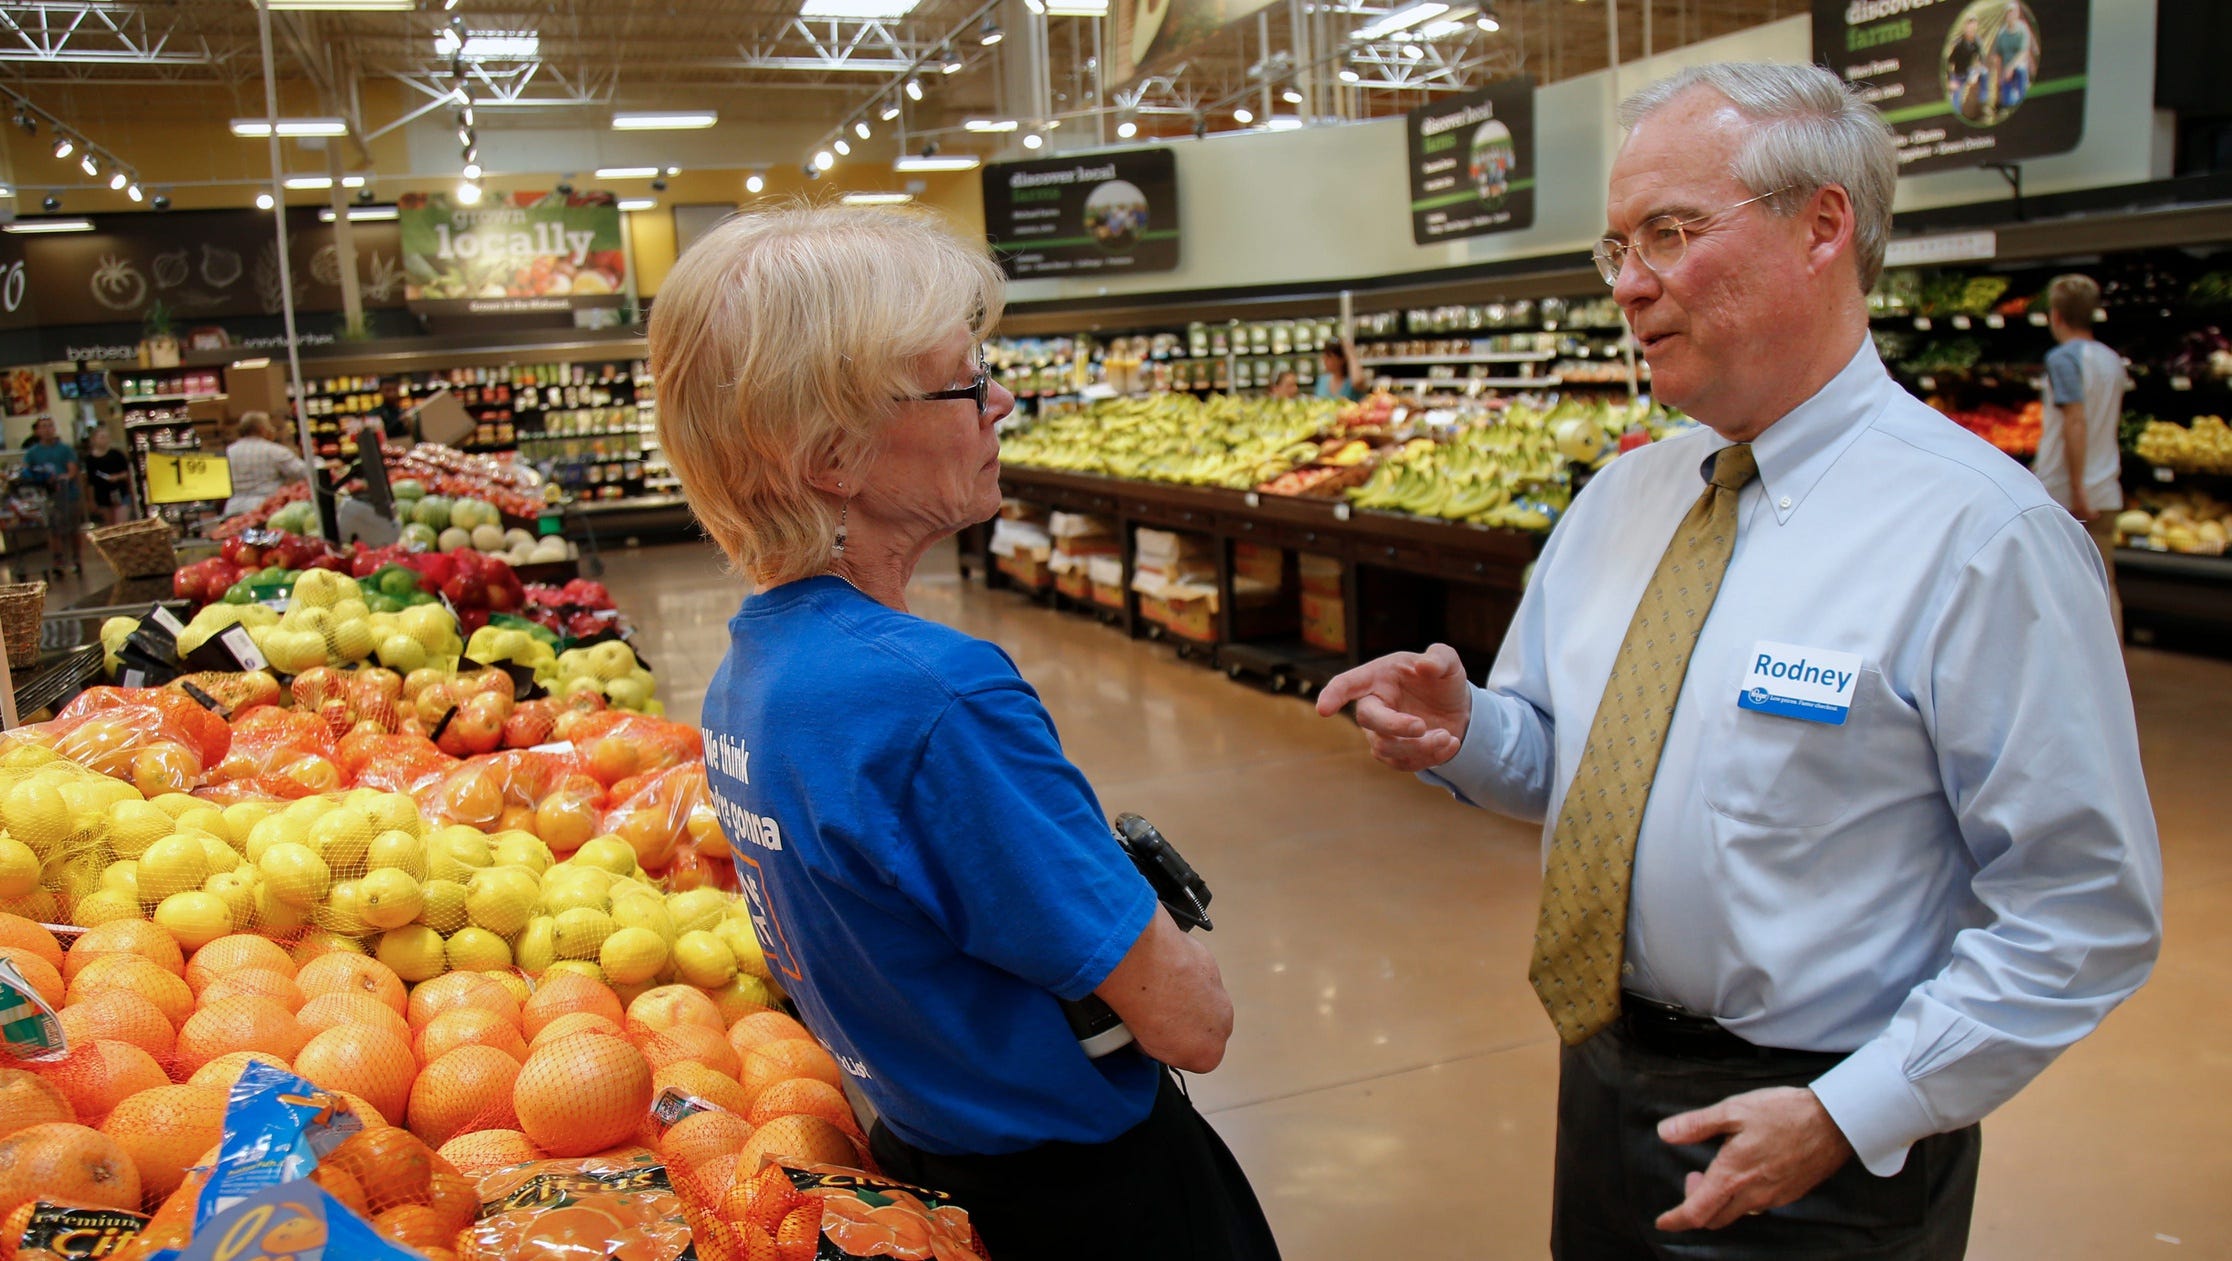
(1508, 475)
(1221, 441)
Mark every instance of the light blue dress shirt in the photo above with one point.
(1955, 884)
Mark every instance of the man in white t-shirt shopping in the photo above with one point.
(2078, 459)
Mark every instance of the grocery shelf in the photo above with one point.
(1540, 356)
(169, 398)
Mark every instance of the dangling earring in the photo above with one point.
(844, 513)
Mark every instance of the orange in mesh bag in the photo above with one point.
(392, 763)
(617, 1204)
(654, 818)
(276, 754)
(615, 746)
(501, 791)
(155, 740)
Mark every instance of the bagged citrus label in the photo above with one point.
(566, 1210)
(70, 1232)
(863, 1215)
(294, 1219)
(277, 1125)
(28, 1027)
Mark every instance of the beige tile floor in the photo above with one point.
(1390, 1083)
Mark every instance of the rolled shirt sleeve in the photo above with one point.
(2038, 751)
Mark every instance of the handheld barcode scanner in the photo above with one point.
(1182, 892)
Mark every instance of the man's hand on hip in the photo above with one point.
(1778, 1145)
(1414, 707)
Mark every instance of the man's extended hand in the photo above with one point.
(1780, 1144)
(1414, 707)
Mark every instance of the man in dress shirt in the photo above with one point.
(1897, 853)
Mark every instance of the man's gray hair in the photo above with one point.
(1809, 131)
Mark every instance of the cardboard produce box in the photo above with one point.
(1105, 578)
(1028, 571)
(1324, 621)
(1194, 619)
(1320, 574)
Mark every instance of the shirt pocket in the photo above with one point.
(1773, 771)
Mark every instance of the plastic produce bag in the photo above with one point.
(810, 1211)
(654, 817)
(398, 763)
(496, 791)
(281, 754)
(156, 740)
(586, 1209)
(616, 746)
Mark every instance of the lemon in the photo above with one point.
(122, 877)
(176, 864)
(343, 911)
(467, 845)
(500, 899)
(273, 916)
(241, 819)
(19, 868)
(310, 809)
(520, 849)
(36, 815)
(73, 878)
(697, 908)
(645, 910)
(238, 891)
(205, 819)
(135, 825)
(704, 960)
(580, 933)
(275, 830)
(222, 857)
(579, 967)
(537, 948)
(392, 812)
(397, 850)
(295, 873)
(513, 981)
(391, 898)
(344, 839)
(609, 853)
(631, 955)
(175, 804)
(24, 755)
(477, 950)
(566, 887)
(414, 951)
(443, 865)
(99, 908)
(195, 919)
(444, 911)
(737, 935)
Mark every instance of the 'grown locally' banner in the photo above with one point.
(510, 255)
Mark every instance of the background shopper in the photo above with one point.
(1846, 836)
(260, 466)
(53, 465)
(2078, 459)
(109, 472)
(932, 875)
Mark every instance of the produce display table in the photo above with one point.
(2175, 601)
(1406, 581)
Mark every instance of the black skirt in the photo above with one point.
(1166, 1189)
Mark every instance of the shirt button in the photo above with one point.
(1784, 502)
(1627, 969)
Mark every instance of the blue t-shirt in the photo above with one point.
(927, 871)
(53, 461)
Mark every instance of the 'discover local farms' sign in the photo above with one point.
(1472, 163)
(518, 254)
(1963, 83)
(1088, 215)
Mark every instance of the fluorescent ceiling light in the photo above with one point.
(28, 226)
(959, 162)
(264, 201)
(1037, 7)
(1444, 28)
(118, 181)
(1077, 8)
(627, 172)
(1400, 20)
(824, 160)
(989, 124)
(843, 147)
(877, 199)
(670, 121)
(890, 111)
(360, 214)
(1282, 122)
(632, 204)
(307, 183)
(258, 128)
(489, 45)
(342, 6)
(865, 10)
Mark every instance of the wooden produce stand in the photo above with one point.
(1405, 582)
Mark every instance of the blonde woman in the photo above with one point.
(930, 875)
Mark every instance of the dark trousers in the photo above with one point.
(1615, 1175)
(1165, 1190)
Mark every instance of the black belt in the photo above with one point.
(1664, 1029)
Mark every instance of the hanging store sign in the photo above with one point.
(200, 265)
(1472, 163)
(522, 253)
(1151, 34)
(1963, 83)
(1107, 212)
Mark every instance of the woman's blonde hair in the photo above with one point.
(781, 343)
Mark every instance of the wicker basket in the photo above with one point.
(137, 549)
(22, 605)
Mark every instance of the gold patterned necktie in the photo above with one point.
(1581, 936)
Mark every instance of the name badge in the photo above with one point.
(1813, 684)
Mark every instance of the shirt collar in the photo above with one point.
(1796, 451)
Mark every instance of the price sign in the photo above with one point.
(185, 479)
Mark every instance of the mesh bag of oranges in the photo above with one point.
(276, 754)
(499, 791)
(392, 763)
(615, 746)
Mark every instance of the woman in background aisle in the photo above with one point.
(53, 464)
(110, 473)
(931, 875)
(260, 466)
(1344, 377)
